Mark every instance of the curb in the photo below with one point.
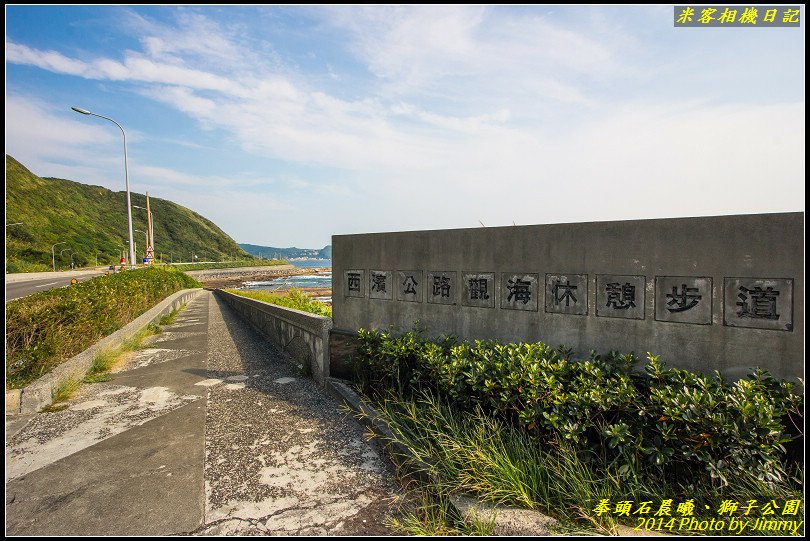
(34, 396)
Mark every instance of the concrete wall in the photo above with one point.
(304, 336)
(723, 293)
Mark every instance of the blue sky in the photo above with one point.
(287, 124)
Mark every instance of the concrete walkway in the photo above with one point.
(207, 431)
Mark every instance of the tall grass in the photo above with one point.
(46, 329)
(479, 454)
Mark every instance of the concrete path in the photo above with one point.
(206, 431)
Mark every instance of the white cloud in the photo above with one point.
(468, 114)
(35, 131)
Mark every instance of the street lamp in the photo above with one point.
(53, 254)
(126, 180)
(66, 250)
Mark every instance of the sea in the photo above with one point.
(322, 280)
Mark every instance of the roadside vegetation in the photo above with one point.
(291, 298)
(523, 424)
(104, 361)
(230, 264)
(48, 328)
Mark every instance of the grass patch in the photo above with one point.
(478, 454)
(53, 408)
(45, 329)
(435, 516)
(105, 360)
(169, 318)
(65, 390)
(292, 298)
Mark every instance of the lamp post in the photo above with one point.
(53, 254)
(65, 250)
(147, 239)
(126, 180)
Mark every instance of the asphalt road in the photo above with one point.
(16, 290)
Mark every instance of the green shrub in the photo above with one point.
(47, 328)
(663, 422)
(292, 298)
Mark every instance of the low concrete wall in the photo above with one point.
(36, 395)
(713, 293)
(304, 336)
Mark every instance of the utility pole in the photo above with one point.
(151, 240)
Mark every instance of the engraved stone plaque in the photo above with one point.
(760, 303)
(353, 283)
(410, 286)
(380, 285)
(441, 287)
(478, 289)
(683, 299)
(567, 294)
(520, 291)
(619, 295)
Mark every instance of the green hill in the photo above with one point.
(287, 253)
(92, 221)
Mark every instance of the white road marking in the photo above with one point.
(45, 285)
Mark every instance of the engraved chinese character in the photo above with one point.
(563, 292)
(441, 286)
(410, 284)
(354, 281)
(519, 290)
(620, 296)
(378, 282)
(757, 303)
(684, 300)
(478, 289)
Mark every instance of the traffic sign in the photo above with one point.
(150, 252)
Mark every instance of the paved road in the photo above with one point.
(206, 431)
(15, 290)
